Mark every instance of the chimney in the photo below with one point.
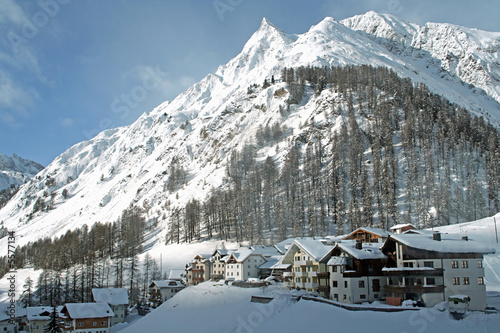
(359, 244)
(465, 238)
(436, 236)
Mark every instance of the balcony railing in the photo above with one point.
(324, 289)
(323, 275)
(300, 274)
(199, 271)
(311, 285)
(287, 274)
(400, 289)
(303, 263)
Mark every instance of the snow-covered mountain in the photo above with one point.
(15, 170)
(97, 179)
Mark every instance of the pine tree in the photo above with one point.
(53, 326)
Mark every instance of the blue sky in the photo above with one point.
(71, 68)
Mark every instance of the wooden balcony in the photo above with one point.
(324, 289)
(413, 271)
(323, 275)
(198, 271)
(416, 289)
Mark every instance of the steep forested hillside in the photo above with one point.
(378, 150)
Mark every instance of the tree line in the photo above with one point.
(389, 152)
(104, 255)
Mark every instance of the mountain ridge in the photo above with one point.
(200, 128)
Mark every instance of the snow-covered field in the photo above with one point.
(214, 307)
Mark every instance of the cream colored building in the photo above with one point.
(308, 270)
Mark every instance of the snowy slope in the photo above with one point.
(97, 179)
(15, 170)
(211, 307)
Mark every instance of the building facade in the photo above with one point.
(431, 267)
(116, 298)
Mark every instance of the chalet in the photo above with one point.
(367, 235)
(402, 228)
(38, 317)
(199, 270)
(243, 264)
(308, 272)
(355, 272)
(431, 267)
(161, 291)
(219, 265)
(116, 298)
(86, 317)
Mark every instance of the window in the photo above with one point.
(454, 264)
(362, 296)
(479, 264)
(465, 264)
(361, 284)
(334, 268)
(429, 264)
(80, 324)
(480, 280)
(345, 296)
(456, 281)
(431, 281)
(297, 280)
(94, 323)
(465, 280)
(336, 296)
(335, 284)
(345, 285)
(375, 295)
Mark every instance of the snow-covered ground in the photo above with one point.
(215, 307)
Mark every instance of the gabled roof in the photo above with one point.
(400, 226)
(176, 274)
(449, 243)
(266, 251)
(40, 312)
(374, 231)
(368, 250)
(112, 296)
(314, 248)
(87, 310)
(242, 254)
(167, 284)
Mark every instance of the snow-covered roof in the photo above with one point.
(40, 312)
(449, 243)
(176, 274)
(374, 231)
(112, 296)
(368, 250)
(266, 251)
(336, 261)
(242, 254)
(314, 248)
(400, 226)
(88, 310)
(168, 284)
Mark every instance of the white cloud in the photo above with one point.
(13, 96)
(12, 12)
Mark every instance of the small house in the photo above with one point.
(86, 317)
(116, 298)
(161, 291)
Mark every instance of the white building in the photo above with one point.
(161, 291)
(431, 267)
(355, 272)
(116, 298)
(243, 264)
(219, 265)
